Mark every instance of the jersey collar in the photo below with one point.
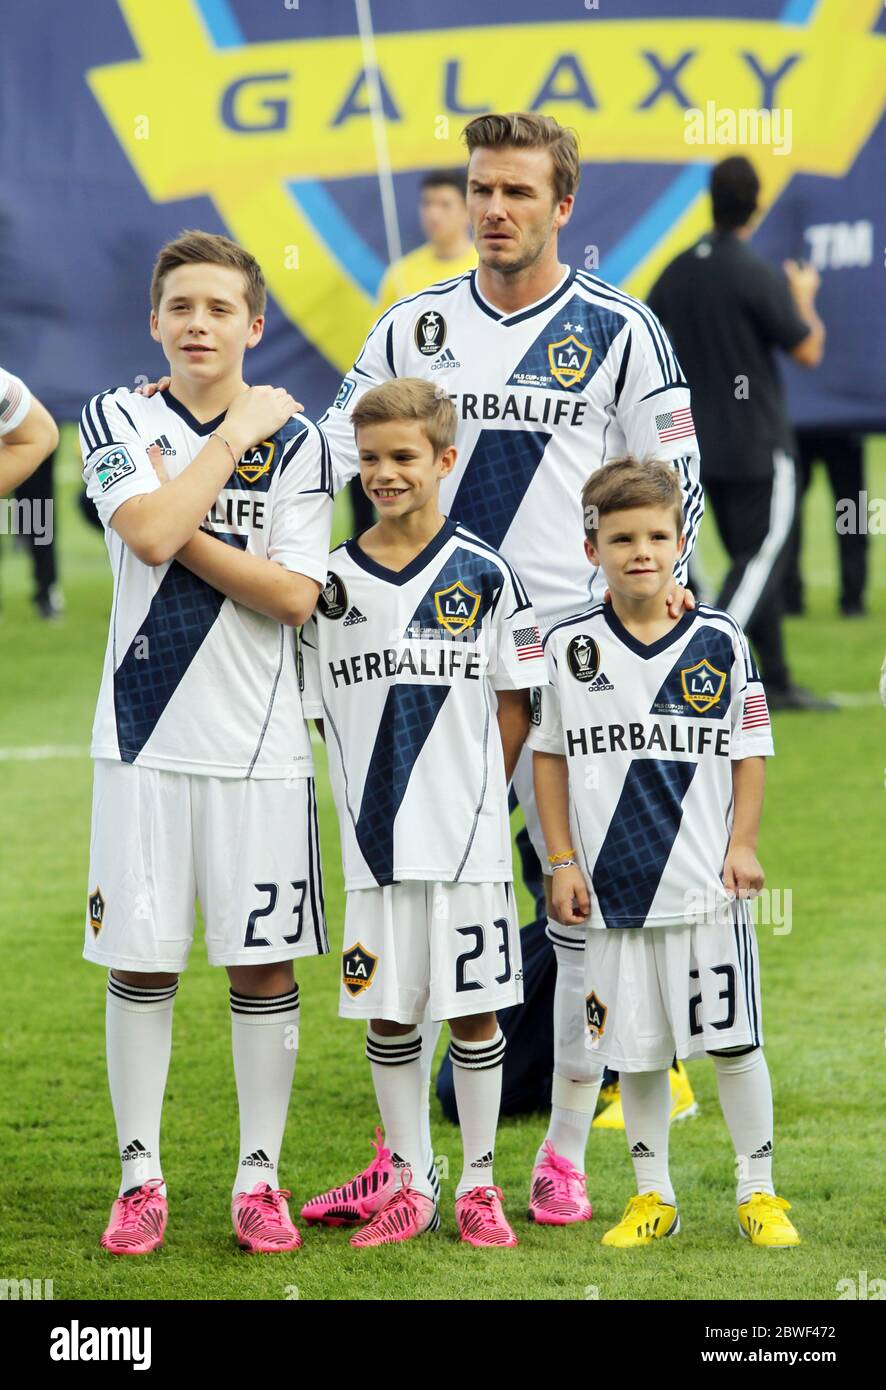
(198, 426)
(618, 629)
(509, 320)
(415, 566)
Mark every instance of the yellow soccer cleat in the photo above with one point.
(762, 1221)
(647, 1218)
(683, 1102)
(613, 1116)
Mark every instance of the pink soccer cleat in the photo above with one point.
(480, 1218)
(558, 1196)
(138, 1220)
(360, 1198)
(261, 1220)
(405, 1215)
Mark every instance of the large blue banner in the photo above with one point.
(124, 121)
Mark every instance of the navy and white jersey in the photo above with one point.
(194, 682)
(650, 734)
(544, 398)
(403, 667)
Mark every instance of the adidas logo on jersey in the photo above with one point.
(765, 1151)
(259, 1159)
(134, 1150)
(445, 360)
(354, 616)
(600, 682)
(641, 1151)
(484, 1162)
(164, 446)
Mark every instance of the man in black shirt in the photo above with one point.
(726, 310)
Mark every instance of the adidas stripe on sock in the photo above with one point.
(138, 1034)
(264, 1043)
(476, 1073)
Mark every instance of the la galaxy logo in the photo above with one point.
(702, 685)
(256, 462)
(357, 969)
(457, 607)
(569, 360)
(96, 911)
(333, 600)
(430, 333)
(595, 1013)
(583, 657)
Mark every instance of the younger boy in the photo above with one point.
(648, 760)
(203, 773)
(419, 661)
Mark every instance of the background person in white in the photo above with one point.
(28, 433)
(552, 372)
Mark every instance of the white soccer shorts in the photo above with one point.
(654, 991)
(453, 945)
(249, 850)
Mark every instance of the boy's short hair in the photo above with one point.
(627, 483)
(194, 248)
(524, 130)
(409, 398)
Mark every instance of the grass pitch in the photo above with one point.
(822, 1016)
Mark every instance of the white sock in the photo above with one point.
(430, 1036)
(646, 1101)
(476, 1073)
(746, 1102)
(138, 1034)
(577, 1073)
(264, 1041)
(572, 1109)
(397, 1078)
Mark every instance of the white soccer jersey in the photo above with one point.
(403, 668)
(194, 682)
(650, 734)
(544, 397)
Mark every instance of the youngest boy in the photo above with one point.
(419, 661)
(648, 762)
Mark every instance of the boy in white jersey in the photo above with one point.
(648, 757)
(203, 773)
(419, 662)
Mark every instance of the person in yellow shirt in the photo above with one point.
(448, 251)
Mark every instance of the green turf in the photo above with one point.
(822, 1014)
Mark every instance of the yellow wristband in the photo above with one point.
(567, 854)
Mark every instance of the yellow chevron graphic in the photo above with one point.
(236, 124)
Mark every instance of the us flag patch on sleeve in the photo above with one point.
(756, 713)
(675, 424)
(527, 640)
